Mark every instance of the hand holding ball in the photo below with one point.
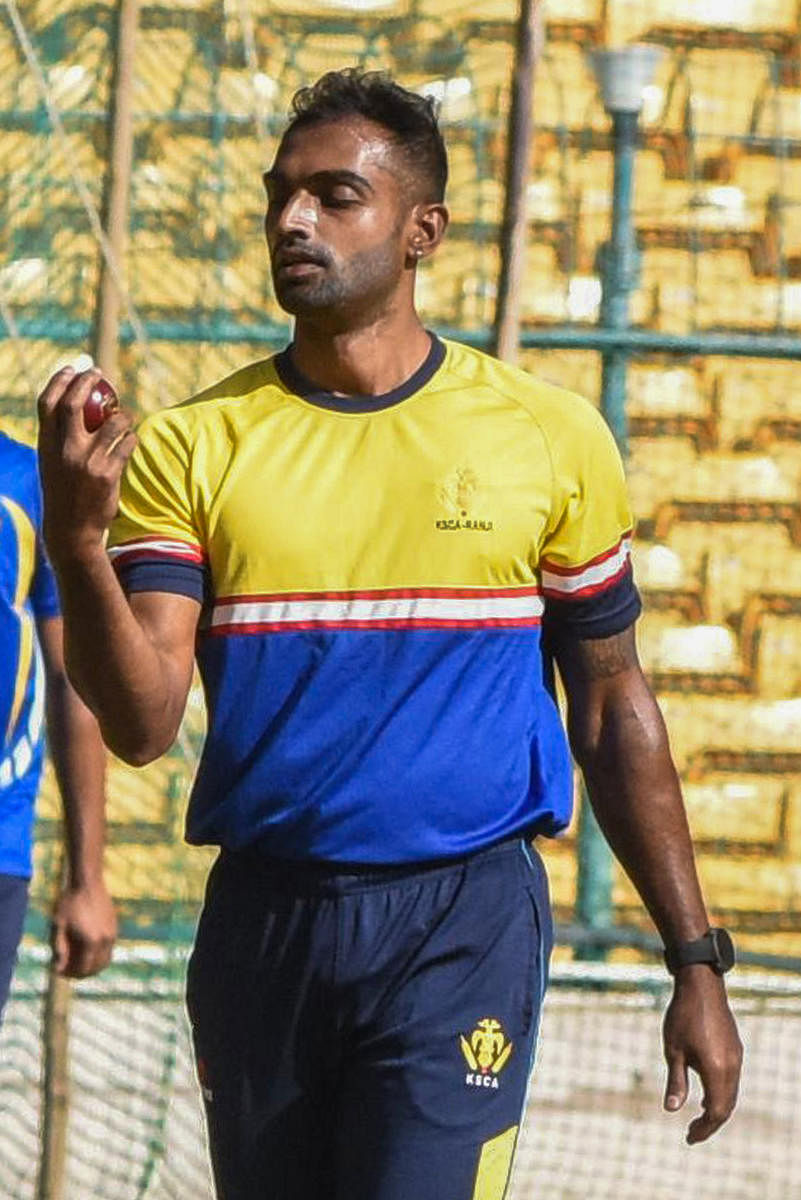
(102, 403)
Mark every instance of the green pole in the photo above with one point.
(619, 265)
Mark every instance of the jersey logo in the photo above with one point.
(486, 1053)
(458, 496)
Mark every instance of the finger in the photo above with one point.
(708, 1123)
(720, 1097)
(677, 1086)
(60, 946)
(71, 404)
(116, 438)
(122, 446)
(53, 391)
(80, 957)
(101, 957)
(47, 405)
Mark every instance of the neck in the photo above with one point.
(369, 361)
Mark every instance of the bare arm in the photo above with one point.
(130, 662)
(619, 740)
(84, 925)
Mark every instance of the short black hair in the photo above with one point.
(411, 119)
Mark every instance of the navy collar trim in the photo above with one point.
(296, 382)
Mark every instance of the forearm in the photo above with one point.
(79, 759)
(112, 661)
(635, 794)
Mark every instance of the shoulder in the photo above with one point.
(560, 413)
(229, 396)
(19, 475)
(13, 451)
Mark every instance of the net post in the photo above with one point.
(622, 75)
(118, 187)
(528, 48)
(55, 1088)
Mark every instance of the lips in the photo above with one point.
(296, 262)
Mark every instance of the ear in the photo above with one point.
(426, 231)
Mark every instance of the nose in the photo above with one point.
(299, 215)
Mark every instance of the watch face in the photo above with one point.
(724, 947)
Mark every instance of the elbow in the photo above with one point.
(137, 750)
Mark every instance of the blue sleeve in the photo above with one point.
(44, 590)
(180, 578)
(600, 614)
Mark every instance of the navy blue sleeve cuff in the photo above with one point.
(180, 578)
(600, 615)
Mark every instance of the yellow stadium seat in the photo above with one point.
(658, 568)
(667, 648)
(577, 370)
(565, 93)
(655, 466)
(156, 89)
(736, 14)
(341, 8)
(780, 115)
(747, 811)
(700, 724)
(724, 88)
(754, 393)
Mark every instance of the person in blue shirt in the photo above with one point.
(35, 695)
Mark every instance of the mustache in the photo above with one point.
(286, 254)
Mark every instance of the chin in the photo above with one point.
(300, 303)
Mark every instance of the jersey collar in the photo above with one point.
(296, 382)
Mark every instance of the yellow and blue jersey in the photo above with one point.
(375, 575)
(27, 593)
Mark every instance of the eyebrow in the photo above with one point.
(332, 177)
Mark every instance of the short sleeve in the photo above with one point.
(585, 558)
(44, 591)
(155, 543)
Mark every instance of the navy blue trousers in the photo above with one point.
(368, 1034)
(13, 903)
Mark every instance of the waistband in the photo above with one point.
(302, 874)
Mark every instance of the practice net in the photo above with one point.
(594, 1128)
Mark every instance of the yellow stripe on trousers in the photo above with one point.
(495, 1165)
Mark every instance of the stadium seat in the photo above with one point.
(654, 467)
(157, 91)
(747, 812)
(706, 655)
(671, 400)
(750, 395)
(576, 370)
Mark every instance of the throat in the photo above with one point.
(360, 364)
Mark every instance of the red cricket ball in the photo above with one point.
(101, 404)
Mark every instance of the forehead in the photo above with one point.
(351, 143)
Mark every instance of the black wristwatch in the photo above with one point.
(715, 948)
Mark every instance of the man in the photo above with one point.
(368, 537)
(33, 683)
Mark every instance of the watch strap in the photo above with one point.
(715, 947)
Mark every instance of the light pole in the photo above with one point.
(622, 77)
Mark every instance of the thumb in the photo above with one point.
(677, 1086)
